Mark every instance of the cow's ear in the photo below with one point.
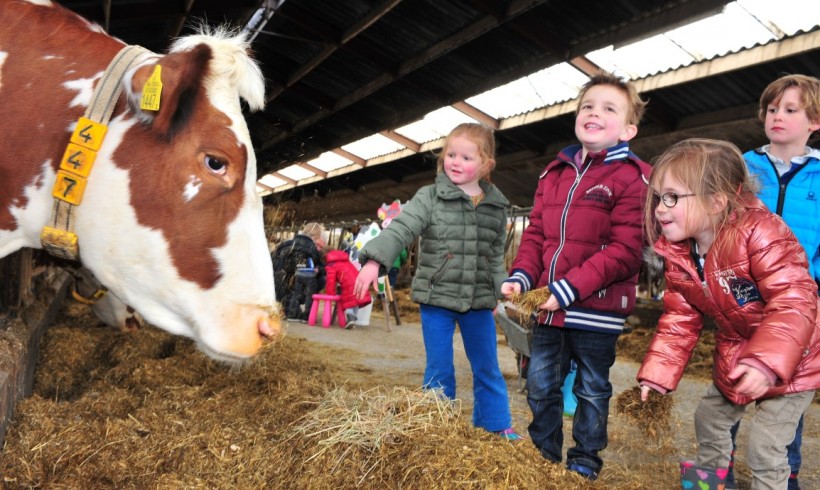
(181, 76)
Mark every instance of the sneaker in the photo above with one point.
(351, 321)
(509, 434)
(583, 470)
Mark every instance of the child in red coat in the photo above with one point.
(341, 277)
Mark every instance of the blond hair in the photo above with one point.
(708, 168)
(809, 95)
(484, 139)
(635, 105)
(313, 230)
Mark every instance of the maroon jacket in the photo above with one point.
(342, 273)
(762, 298)
(584, 238)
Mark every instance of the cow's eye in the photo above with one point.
(215, 165)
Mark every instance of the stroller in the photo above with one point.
(519, 337)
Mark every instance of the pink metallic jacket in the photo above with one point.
(758, 290)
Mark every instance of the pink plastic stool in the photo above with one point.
(327, 312)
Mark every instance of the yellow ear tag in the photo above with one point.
(152, 91)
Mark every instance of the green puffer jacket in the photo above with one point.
(461, 264)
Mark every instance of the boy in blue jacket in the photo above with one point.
(789, 171)
(584, 242)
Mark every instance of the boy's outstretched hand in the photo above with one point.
(750, 381)
(368, 276)
(645, 392)
(510, 288)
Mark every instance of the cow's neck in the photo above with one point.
(58, 237)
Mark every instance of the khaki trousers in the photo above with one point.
(771, 429)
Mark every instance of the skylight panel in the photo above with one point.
(434, 125)
(507, 100)
(786, 17)
(373, 146)
(558, 83)
(727, 32)
(653, 55)
(271, 180)
(296, 172)
(329, 161)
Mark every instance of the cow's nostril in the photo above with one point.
(265, 328)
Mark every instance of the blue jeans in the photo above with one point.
(491, 406)
(552, 350)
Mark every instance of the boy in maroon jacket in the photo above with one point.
(584, 241)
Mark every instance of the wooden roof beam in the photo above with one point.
(459, 39)
(476, 114)
(402, 140)
(350, 156)
(345, 37)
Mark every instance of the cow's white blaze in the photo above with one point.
(191, 188)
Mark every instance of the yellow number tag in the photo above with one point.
(89, 134)
(69, 187)
(152, 91)
(78, 160)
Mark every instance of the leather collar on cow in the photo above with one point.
(99, 293)
(59, 239)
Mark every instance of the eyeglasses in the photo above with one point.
(669, 199)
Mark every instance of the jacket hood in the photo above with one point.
(337, 256)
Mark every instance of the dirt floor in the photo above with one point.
(325, 408)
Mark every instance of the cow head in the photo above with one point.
(170, 219)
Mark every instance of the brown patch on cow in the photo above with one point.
(34, 101)
(162, 167)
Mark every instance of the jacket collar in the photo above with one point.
(619, 151)
(445, 189)
(614, 153)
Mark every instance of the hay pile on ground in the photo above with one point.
(146, 410)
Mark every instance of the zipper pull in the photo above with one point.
(706, 291)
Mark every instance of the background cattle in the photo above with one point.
(169, 221)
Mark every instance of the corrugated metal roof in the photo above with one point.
(339, 72)
(742, 25)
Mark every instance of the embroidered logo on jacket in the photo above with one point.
(598, 193)
(744, 291)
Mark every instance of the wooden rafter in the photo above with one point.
(437, 50)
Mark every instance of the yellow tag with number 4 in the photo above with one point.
(152, 91)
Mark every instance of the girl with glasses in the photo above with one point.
(728, 257)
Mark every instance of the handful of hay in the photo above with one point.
(652, 416)
(528, 303)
